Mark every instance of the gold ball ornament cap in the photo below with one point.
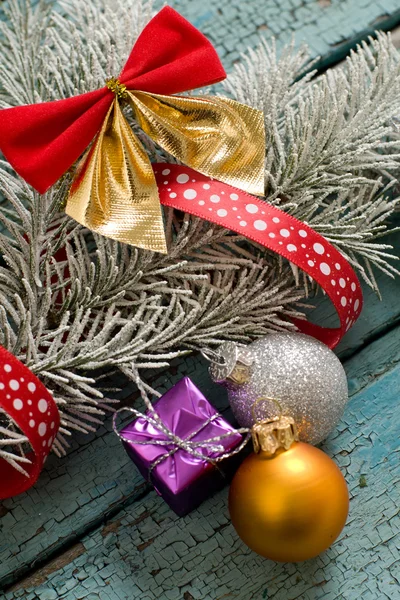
(291, 505)
(272, 435)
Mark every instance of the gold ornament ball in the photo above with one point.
(289, 507)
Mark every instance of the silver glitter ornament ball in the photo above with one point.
(298, 371)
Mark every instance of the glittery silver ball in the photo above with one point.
(301, 373)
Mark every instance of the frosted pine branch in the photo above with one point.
(74, 306)
(331, 143)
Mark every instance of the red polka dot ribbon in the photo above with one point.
(184, 189)
(32, 408)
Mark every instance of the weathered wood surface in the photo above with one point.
(146, 552)
(87, 529)
(78, 493)
(330, 27)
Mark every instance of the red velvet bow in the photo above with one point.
(42, 141)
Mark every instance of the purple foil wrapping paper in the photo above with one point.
(183, 480)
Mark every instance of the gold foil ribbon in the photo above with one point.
(114, 191)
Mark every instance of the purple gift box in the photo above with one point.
(183, 480)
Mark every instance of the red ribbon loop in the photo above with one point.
(42, 141)
(32, 408)
(171, 56)
(187, 190)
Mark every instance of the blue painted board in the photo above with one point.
(48, 530)
(146, 552)
(97, 479)
(329, 27)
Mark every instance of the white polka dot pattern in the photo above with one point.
(325, 268)
(220, 203)
(260, 225)
(182, 178)
(42, 405)
(189, 194)
(30, 405)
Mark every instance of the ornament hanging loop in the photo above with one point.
(265, 399)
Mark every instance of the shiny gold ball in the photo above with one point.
(290, 507)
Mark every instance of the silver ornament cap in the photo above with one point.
(234, 368)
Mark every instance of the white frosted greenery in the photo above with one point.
(332, 156)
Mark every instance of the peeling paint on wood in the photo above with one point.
(125, 542)
(330, 28)
(164, 557)
(40, 577)
(150, 553)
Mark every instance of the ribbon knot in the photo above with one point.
(114, 191)
(118, 88)
(189, 445)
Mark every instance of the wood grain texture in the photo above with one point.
(146, 552)
(329, 27)
(84, 491)
(91, 528)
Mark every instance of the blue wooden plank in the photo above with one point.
(76, 494)
(330, 27)
(146, 552)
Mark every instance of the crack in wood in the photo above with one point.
(145, 545)
(110, 528)
(56, 564)
(138, 560)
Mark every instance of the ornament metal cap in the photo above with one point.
(274, 434)
(235, 366)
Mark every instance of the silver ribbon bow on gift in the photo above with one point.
(188, 444)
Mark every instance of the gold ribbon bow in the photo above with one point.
(114, 191)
